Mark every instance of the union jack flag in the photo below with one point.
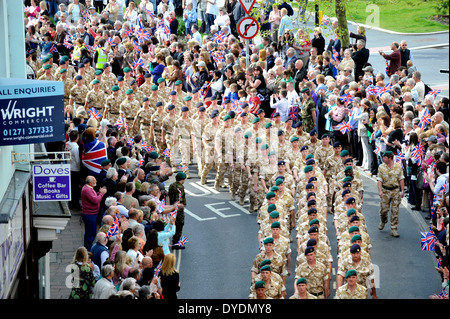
(417, 157)
(167, 153)
(434, 92)
(398, 160)
(344, 127)
(68, 41)
(120, 123)
(182, 242)
(425, 120)
(138, 62)
(443, 188)
(237, 106)
(293, 112)
(372, 90)
(110, 41)
(218, 37)
(146, 147)
(53, 49)
(157, 269)
(141, 162)
(150, 13)
(204, 91)
(183, 167)
(143, 36)
(93, 112)
(93, 155)
(130, 142)
(387, 68)
(140, 26)
(218, 57)
(136, 46)
(377, 149)
(174, 213)
(428, 240)
(335, 54)
(384, 89)
(325, 20)
(400, 155)
(114, 229)
(347, 98)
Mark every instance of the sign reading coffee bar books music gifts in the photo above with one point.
(51, 182)
(31, 111)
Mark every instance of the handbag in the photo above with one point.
(419, 184)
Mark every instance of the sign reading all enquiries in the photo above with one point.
(31, 111)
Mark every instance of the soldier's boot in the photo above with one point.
(394, 233)
(381, 226)
(241, 201)
(203, 179)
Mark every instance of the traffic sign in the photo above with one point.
(247, 5)
(248, 28)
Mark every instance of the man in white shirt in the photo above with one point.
(195, 34)
(281, 106)
(75, 162)
(420, 86)
(211, 13)
(292, 95)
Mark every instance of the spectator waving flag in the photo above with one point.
(384, 89)
(174, 213)
(218, 37)
(120, 123)
(53, 49)
(372, 90)
(377, 149)
(428, 240)
(218, 57)
(114, 229)
(93, 154)
(157, 269)
(335, 54)
(237, 106)
(68, 41)
(425, 120)
(138, 62)
(136, 46)
(150, 13)
(204, 90)
(143, 36)
(93, 112)
(344, 127)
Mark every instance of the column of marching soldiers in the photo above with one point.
(294, 180)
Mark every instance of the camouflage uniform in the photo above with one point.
(208, 139)
(112, 104)
(182, 131)
(128, 110)
(274, 290)
(344, 292)
(156, 121)
(167, 128)
(143, 117)
(315, 276)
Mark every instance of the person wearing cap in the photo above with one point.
(108, 77)
(313, 142)
(237, 167)
(278, 264)
(95, 98)
(316, 273)
(268, 206)
(142, 121)
(78, 93)
(182, 138)
(391, 189)
(321, 257)
(224, 149)
(282, 244)
(155, 125)
(167, 134)
(351, 289)
(68, 84)
(344, 249)
(323, 151)
(292, 154)
(176, 194)
(331, 166)
(363, 267)
(112, 105)
(199, 123)
(208, 140)
(127, 78)
(302, 290)
(265, 226)
(274, 287)
(259, 286)
(346, 237)
(128, 109)
(48, 73)
(308, 110)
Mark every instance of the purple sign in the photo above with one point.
(51, 182)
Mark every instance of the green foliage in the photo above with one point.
(441, 6)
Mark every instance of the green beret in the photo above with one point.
(121, 160)
(279, 181)
(294, 138)
(304, 90)
(268, 124)
(260, 284)
(98, 72)
(65, 58)
(301, 280)
(45, 59)
(153, 155)
(62, 70)
(187, 98)
(351, 211)
(47, 66)
(126, 70)
(226, 117)
(266, 268)
(255, 120)
(274, 189)
(248, 134)
(308, 168)
(388, 153)
(129, 91)
(264, 147)
(344, 153)
(271, 153)
(314, 221)
(271, 208)
(351, 272)
(266, 261)
(309, 156)
(258, 140)
(178, 82)
(274, 214)
(161, 80)
(347, 179)
(115, 88)
(270, 195)
(355, 238)
(268, 240)
(275, 225)
(348, 168)
(353, 229)
(154, 87)
(105, 162)
(180, 176)
(95, 81)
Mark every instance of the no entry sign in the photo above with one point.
(248, 28)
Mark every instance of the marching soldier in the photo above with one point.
(167, 132)
(95, 97)
(156, 133)
(143, 118)
(78, 94)
(208, 139)
(128, 110)
(112, 105)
